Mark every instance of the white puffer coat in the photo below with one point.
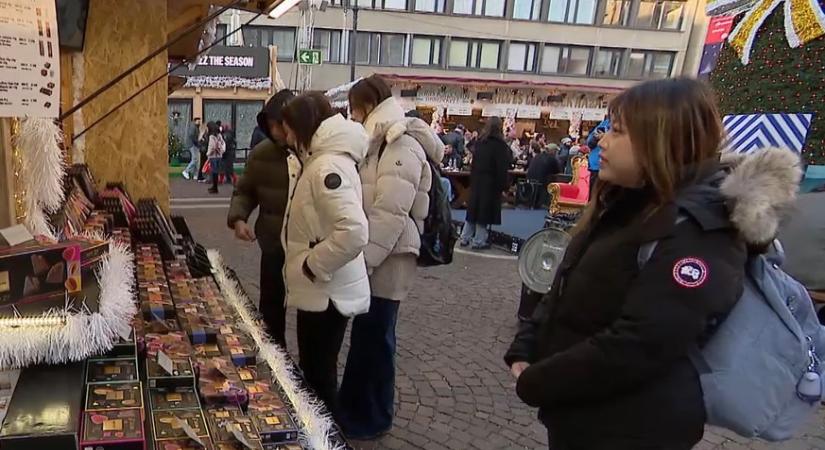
(396, 193)
(325, 222)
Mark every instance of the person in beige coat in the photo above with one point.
(396, 180)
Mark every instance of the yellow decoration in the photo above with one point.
(17, 166)
(804, 22)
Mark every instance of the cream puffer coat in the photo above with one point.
(325, 223)
(397, 185)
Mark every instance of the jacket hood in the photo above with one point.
(751, 192)
(339, 135)
(761, 189)
(387, 111)
(415, 128)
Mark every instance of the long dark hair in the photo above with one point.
(212, 128)
(304, 115)
(493, 129)
(675, 128)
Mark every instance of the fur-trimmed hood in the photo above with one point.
(754, 192)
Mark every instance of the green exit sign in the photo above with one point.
(309, 57)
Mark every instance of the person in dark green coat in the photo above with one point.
(265, 185)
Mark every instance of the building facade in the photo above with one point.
(549, 65)
(602, 44)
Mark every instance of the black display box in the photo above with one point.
(45, 409)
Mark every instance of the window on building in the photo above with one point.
(572, 11)
(490, 8)
(660, 15)
(527, 9)
(567, 60)
(220, 32)
(644, 64)
(386, 49)
(474, 54)
(426, 51)
(607, 62)
(436, 6)
(282, 37)
(239, 113)
(616, 12)
(521, 57)
(329, 42)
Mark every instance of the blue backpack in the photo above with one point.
(760, 372)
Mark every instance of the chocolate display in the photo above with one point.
(119, 429)
(239, 348)
(169, 424)
(175, 398)
(111, 370)
(174, 344)
(223, 429)
(123, 395)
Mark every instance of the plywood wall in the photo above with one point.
(130, 145)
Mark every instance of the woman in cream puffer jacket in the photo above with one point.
(396, 180)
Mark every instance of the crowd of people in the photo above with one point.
(211, 153)
(606, 355)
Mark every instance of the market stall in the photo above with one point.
(117, 330)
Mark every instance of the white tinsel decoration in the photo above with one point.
(258, 84)
(42, 171)
(83, 333)
(342, 88)
(316, 426)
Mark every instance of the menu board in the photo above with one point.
(29, 59)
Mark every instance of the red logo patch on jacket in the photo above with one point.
(690, 272)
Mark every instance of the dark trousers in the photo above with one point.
(368, 387)
(201, 173)
(228, 165)
(320, 335)
(271, 305)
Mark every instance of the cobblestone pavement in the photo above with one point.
(453, 390)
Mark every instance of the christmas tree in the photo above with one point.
(777, 78)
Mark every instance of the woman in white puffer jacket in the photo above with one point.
(324, 236)
(396, 180)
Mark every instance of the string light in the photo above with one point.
(43, 321)
(788, 77)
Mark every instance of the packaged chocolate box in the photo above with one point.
(266, 402)
(174, 398)
(183, 374)
(175, 344)
(155, 326)
(223, 412)
(124, 395)
(226, 429)
(111, 370)
(254, 445)
(219, 383)
(206, 350)
(284, 446)
(32, 272)
(120, 429)
(239, 348)
(275, 427)
(259, 372)
(174, 424)
(183, 444)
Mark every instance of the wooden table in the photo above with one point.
(460, 182)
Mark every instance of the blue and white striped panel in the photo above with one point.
(748, 132)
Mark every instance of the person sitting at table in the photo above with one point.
(488, 178)
(542, 169)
